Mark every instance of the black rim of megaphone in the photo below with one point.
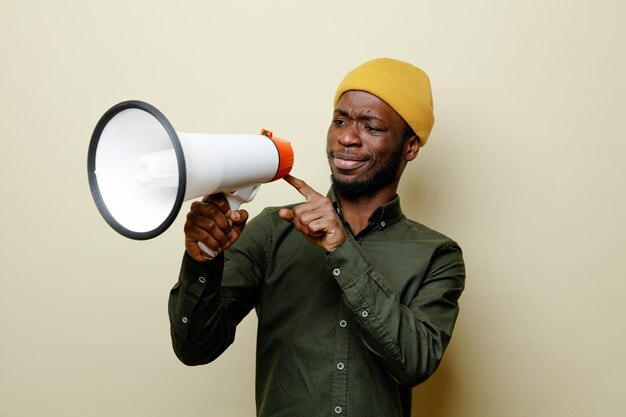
(93, 180)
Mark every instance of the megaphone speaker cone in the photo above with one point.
(126, 143)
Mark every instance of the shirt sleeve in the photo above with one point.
(211, 298)
(199, 332)
(409, 339)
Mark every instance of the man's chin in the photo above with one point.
(352, 189)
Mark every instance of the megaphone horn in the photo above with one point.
(141, 170)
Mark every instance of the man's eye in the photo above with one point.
(339, 122)
(372, 129)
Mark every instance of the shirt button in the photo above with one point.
(338, 410)
(343, 323)
(382, 224)
(184, 320)
(336, 272)
(341, 366)
(202, 280)
(364, 314)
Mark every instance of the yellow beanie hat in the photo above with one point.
(403, 86)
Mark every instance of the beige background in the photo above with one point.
(525, 168)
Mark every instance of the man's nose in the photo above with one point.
(350, 136)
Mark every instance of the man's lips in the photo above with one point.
(347, 162)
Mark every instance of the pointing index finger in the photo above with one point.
(302, 187)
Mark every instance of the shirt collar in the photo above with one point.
(383, 217)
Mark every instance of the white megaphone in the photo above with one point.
(141, 170)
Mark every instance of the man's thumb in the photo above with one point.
(286, 214)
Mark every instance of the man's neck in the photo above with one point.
(357, 211)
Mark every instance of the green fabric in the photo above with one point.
(345, 334)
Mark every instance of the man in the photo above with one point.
(356, 303)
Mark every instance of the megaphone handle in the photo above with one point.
(235, 199)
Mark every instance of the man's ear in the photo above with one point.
(412, 147)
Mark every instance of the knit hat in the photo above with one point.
(403, 86)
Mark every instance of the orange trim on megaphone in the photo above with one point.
(285, 154)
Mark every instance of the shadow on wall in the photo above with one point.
(432, 398)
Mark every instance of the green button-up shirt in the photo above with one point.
(346, 333)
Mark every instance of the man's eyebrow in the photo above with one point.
(365, 117)
(369, 117)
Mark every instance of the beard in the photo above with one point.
(382, 175)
